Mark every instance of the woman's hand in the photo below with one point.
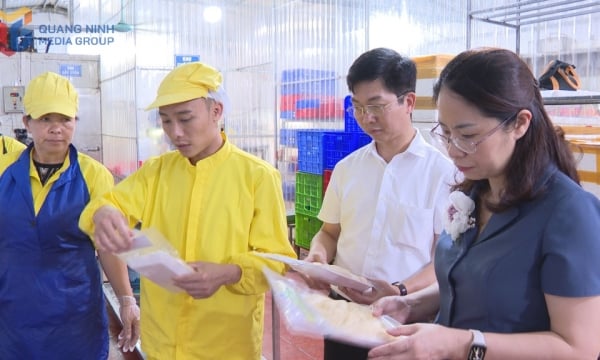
(424, 341)
(397, 307)
(130, 317)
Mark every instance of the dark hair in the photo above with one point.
(399, 74)
(500, 84)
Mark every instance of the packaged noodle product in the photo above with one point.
(312, 313)
(153, 257)
(332, 274)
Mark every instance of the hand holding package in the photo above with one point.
(331, 274)
(311, 313)
(153, 256)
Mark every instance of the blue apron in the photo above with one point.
(51, 300)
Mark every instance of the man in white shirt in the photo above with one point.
(384, 206)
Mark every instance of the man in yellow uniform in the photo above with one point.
(215, 204)
(10, 144)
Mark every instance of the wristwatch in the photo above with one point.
(401, 287)
(478, 348)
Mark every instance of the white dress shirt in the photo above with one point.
(388, 212)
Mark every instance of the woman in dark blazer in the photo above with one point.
(517, 266)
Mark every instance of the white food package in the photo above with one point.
(331, 274)
(311, 313)
(153, 257)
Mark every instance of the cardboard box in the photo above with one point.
(586, 142)
(429, 68)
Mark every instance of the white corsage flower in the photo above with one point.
(459, 220)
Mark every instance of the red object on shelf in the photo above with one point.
(329, 109)
(326, 178)
(288, 102)
(299, 106)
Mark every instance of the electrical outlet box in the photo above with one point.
(13, 99)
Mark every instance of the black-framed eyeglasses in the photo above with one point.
(464, 145)
(359, 111)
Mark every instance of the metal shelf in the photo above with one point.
(572, 100)
(528, 12)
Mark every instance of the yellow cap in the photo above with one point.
(186, 82)
(50, 93)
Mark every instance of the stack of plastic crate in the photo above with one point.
(308, 94)
(318, 153)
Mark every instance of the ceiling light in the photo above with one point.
(212, 14)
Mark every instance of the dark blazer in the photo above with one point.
(550, 245)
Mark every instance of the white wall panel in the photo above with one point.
(257, 40)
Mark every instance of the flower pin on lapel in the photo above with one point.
(459, 220)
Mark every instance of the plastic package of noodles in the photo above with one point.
(311, 313)
(153, 257)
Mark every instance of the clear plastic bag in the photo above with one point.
(153, 257)
(311, 313)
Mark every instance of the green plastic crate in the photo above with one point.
(306, 228)
(309, 193)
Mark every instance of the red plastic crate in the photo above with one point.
(326, 110)
(288, 102)
(326, 178)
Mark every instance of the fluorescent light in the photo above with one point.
(212, 14)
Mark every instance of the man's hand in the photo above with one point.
(315, 257)
(380, 289)
(207, 278)
(112, 231)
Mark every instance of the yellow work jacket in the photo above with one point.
(218, 210)
(8, 144)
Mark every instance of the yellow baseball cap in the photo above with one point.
(186, 82)
(50, 93)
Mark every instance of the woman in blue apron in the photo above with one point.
(51, 300)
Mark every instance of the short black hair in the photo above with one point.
(399, 73)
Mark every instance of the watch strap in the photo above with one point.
(478, 347)
(401, 287)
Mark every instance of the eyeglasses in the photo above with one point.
(464, 145)
(374, 110)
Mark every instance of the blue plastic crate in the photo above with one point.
(335, 148)
(310, 151)
(287, 137)
(293, 75)
(308, 81)
(350, 122)
(287, 115)
(321, 150)
(339, 145)
(308, 103)
(362, 139)
(309, 87)
(289, 191)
